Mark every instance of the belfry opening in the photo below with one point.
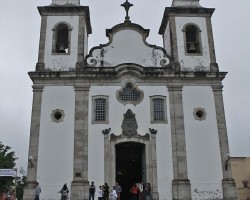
(130, 165)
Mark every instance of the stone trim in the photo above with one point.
(173, 39)
(40, 66)
(80, 184)
(81, 42)
(210, 40)
(150, 153)
(34, 141)
(180, 185)
(67, 11)
(229, 188)
(183, 12)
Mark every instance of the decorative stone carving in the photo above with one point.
(127, 44)
(153, 131)
(200, 114)
(129, 124)
(57, 115)
(129, 94)
(106, 131)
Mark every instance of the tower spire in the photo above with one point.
(186, 3)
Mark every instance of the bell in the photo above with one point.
(192, 48)
(61, 48)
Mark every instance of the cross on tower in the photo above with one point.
(127, 5)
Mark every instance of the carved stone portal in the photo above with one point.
(129, 124)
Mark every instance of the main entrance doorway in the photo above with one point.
(130, 166)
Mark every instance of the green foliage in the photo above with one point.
(7, 161)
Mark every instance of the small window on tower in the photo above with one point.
(61, 38)
(192, 38)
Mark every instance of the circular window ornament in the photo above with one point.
(200, 114)
(57, 115)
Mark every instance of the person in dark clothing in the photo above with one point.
(64, 192)
(92, 191)
(106, 192)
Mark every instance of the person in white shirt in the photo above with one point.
(100, 193)
(113, 194)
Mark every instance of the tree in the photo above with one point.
(20, 182)
(7, 161)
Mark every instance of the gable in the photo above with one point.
(127, 45)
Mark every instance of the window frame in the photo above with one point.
(94, 98)
(54, 39)
(152, 111)
(200, 53)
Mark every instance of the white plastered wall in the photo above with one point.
(202, 143)
(56, 142)
(61, 61)
(142, 112)
(192, 61)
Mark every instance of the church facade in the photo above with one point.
(129, 111)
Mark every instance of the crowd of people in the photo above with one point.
(138, 191)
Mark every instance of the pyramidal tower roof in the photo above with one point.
(186, 3)
(65, 2)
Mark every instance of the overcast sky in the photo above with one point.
(19, 40)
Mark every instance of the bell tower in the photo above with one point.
(65, 26)
(188, 37)
(64, 35)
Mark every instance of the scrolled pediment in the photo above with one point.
(127, 45)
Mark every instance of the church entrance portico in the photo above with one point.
(129, 160)
(130, 165)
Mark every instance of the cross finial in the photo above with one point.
(127, 5)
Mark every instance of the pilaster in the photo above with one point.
(228, 183)
(181, 187)
(173, 38)
(81, 42)
(155, 194)
(80, 184)
(40, 66)
(29, 190)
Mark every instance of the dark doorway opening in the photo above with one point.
(130, 166)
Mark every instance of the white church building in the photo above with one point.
(129, 111)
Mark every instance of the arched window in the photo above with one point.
(61, 38)
(192, 38)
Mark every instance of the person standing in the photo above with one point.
(92, 191)
(113, 194)
(148, 193)
(37, 191)
(118, 190)
(141, 188)
(134, 190)
(64, 192)
(100, 193)
(106, 191)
